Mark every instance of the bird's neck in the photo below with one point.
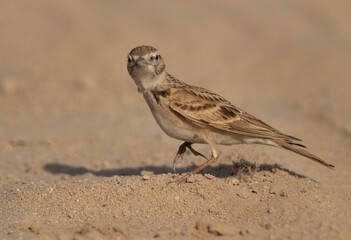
(150, 82)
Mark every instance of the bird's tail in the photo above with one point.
(299, 149)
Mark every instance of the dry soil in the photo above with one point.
(81, 156)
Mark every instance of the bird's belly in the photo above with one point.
(174, 127)
(180, 129)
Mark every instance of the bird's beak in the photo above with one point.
(140, 60)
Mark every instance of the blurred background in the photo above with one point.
(66, 96)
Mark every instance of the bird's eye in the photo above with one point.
(157, 57)
(129, 59)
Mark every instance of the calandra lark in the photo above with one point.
(196, 115)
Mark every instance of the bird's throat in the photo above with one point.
(148, 82)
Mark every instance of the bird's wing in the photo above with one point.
(206, 108)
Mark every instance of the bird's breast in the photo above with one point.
(170, 122)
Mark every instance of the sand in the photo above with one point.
(81, 156)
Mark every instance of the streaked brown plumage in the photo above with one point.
(196, 115)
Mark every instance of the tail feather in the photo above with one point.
(297, 148)
(296, 144)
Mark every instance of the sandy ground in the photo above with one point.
(81, 156)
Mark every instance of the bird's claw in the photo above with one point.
(181, 151)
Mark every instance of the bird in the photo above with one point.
(196, 115)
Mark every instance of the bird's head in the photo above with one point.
(145, 64)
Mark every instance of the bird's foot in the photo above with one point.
(185, 177)
(181, 151)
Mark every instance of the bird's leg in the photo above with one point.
(196, 153)
(213, 158)
(196, 170)
(181, 151)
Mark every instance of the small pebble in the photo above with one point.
(209, 176)
(243, 193)
(65, 177)
(271, 210)
(235, 181)
(146, 177)
(190, 179)
(202, 225)
(222, 229)
(273, 190)
(244, 232)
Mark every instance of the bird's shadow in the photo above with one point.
(241, 168)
